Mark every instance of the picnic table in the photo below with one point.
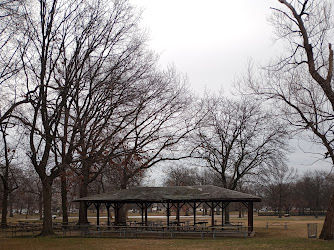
(201, 225)
(229, 227)
(278, 223)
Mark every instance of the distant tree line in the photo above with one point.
(282, 190)
(306, 194)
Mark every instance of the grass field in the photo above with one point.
(295, 237)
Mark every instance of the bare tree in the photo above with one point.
(28, 197)
(159, 126)
(12, 92)
(277, 183)
(79, 59)
(237, 139)
(144, 125)
(312, 191)
(11, 84)
(104, 97)
(182, 176)
(48, 35)
(97, 74)
(109, 101)
(300, 84)
(11, 137)
(69, 43)
(95, 95)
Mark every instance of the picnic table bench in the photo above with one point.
(278, 223)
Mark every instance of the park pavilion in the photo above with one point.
(174, 198)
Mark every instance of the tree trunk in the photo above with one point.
(5, 181)
(280, 206)
(327, 232)
(4, 208)
(122, 215)
(64, 197)
(83, 206)
(11, 206)
(316, 205)
(123, 211)
(40, 205)
(47, 215)
(227, 214)
(240, 210)
(21, 207)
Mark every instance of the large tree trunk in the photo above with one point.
(5, 181)
(227, 214)
(327, 232)
(122, 215)
(64, 197)
(40, 205)
(123, 211)
(83, 206)
(47, 198)
(11, 206)
(4, 207)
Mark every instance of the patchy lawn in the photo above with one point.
(276, 237)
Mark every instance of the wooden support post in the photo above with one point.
(108, 214)
(222, 213)
(194, 210)
(116, 214)
(145, 207)
(116, 210)
(178, 213)
(97, 206)
(142, 212)
(212, 214)
(250, 217)
(168, 213)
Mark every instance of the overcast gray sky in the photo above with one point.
(211, 42)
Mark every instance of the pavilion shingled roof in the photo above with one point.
(171, 194)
